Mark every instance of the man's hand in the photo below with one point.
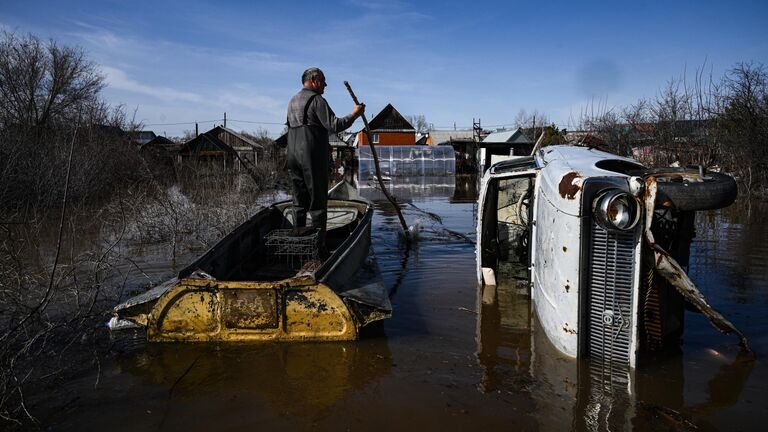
(358, 110)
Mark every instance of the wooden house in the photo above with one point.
(220, 148)
(389, 127)
(160, 147)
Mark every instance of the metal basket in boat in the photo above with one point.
(294, 244)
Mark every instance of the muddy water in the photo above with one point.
(445, 361)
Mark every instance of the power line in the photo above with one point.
(457, 127)
(182, 123)
(460, 127)
(214, 121)
(257, 122)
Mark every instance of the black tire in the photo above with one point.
(716, 191)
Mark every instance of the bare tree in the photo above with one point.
(44, 83)
(535, 119)
(260, 136)
(743, 123)
(419, 122)
(534, 124)
(47, 92)
(705, 122)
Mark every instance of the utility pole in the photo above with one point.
(196, 130)
(225, 119)
(476, 134)
(476, 129)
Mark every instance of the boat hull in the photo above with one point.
(203, 310)
(215, 299)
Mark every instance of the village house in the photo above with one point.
(388, 128)
(584, 138)
(222, 148)
(502, 144)
(141, 137)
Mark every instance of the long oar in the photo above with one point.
(378, 170)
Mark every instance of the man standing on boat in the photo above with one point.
(310, 120)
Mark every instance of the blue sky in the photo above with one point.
(452, 61)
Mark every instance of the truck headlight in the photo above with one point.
(616, 210)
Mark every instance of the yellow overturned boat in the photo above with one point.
(264, 281)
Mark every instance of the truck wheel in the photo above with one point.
(688, 190)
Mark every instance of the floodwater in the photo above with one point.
(445, 361)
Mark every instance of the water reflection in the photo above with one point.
(460, 188)
(466, 189)
(575, 395)
(301, 381)
(408, 188)
(514, 355)
(504, 345)
(677, 393)
(731, 250)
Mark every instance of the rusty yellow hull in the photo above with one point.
(209, 310)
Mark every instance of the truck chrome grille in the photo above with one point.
(609, 299)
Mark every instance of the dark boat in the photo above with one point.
(266, 281)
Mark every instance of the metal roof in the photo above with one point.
(442, 136)
(142, 137)
(336, 141)
(508, 136)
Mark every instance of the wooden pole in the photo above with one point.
(538, 144)
(378, 170)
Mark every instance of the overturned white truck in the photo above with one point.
(600, 241)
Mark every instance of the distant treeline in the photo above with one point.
(715, 122)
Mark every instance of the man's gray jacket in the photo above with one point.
(318, 112)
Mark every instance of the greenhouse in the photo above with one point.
(407, 161)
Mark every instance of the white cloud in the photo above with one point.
(252, 101)
(98, 37)
(388, 6)
(118, 79)
(255, 60)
